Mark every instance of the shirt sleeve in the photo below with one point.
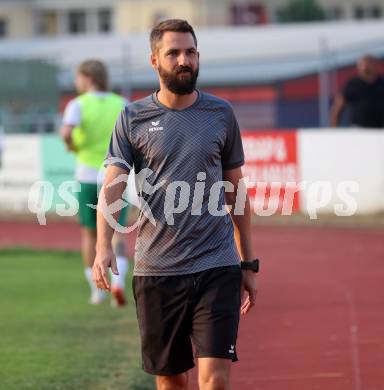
(120, 152)
(232, 155)
(348, 91)
(72, 113)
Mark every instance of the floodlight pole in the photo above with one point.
(323, 83)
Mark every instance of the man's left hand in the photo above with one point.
(248, 291)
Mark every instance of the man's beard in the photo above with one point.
(180, 85)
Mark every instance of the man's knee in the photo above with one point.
(214, 381)
(174, 382)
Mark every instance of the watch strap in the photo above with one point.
(252, 265)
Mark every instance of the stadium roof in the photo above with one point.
(229, 55)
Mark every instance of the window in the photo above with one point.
(159, 17)
(3, 28)
(248, 14)
(76, 22)
(104, 20)
(359, 13)
(47, 23)
(334, 13)
(376, 12)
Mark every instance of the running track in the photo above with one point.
(319, 319)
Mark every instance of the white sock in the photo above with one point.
(122, 266)
(88, 276)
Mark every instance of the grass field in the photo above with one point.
(51, 338)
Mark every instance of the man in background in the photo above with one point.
(87, 127)
(363, 96)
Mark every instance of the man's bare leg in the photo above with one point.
(214, 373)
(174, 382)
(88, 252)
(88, 245)
(118, 281)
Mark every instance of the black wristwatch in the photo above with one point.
(252, 265)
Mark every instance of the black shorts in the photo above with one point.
(176, 312)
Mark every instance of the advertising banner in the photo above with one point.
(20, 167)
(271, 168)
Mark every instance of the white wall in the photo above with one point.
(336, 156)
(20, 168)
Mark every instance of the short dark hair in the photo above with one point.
(96, 71)
(174, 25)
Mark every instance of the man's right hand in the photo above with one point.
(104, 259)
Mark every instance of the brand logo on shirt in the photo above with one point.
(232, 349)
(155, 127)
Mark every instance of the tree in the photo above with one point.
(301, 11)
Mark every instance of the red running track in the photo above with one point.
(319, 319)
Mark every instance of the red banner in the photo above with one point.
(271, 168)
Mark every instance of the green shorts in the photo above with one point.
(87, 215)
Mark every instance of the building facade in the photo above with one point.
(336, 9)
(31, 18)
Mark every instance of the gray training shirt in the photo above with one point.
(179, 151)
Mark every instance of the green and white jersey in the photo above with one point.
(93, 116)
